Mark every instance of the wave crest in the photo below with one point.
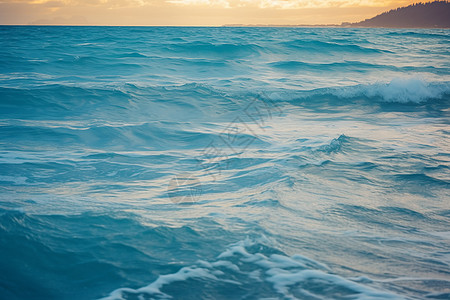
(400, 90)
(248, 264)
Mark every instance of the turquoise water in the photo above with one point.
(224, 163)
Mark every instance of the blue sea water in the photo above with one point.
(224, 163)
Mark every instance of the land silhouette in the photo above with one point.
(419, 15)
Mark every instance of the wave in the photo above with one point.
(425, 35)
(222, 50)
(252, 269)
(300, 66)
(311, 45)
(81, 99)
(335, 145)
(114, 137)
(422, 180)
(131, 55)
(351, 67)
(122, 102)
(83, 255)
(404, 90)
(399, 90)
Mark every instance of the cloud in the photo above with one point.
(290, 4)
(105, 3)
(220, 3)
(281, 4)
(74, 20)
(192, 12)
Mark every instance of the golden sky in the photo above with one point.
(191, 12)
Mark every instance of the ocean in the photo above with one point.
(224, 163)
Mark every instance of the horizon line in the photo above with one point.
(228, 26)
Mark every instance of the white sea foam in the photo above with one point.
(407, 90)
(397, 90)
(288, 276)
(401, 90)
(155, 287)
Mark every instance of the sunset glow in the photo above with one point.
(190, 12)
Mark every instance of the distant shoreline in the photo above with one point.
(332, 26)
(225, 26)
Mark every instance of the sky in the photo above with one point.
(191, 12)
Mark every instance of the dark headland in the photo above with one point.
(419, 15)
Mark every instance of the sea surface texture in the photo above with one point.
(224, 163)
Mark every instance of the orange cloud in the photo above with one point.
(190, 12)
